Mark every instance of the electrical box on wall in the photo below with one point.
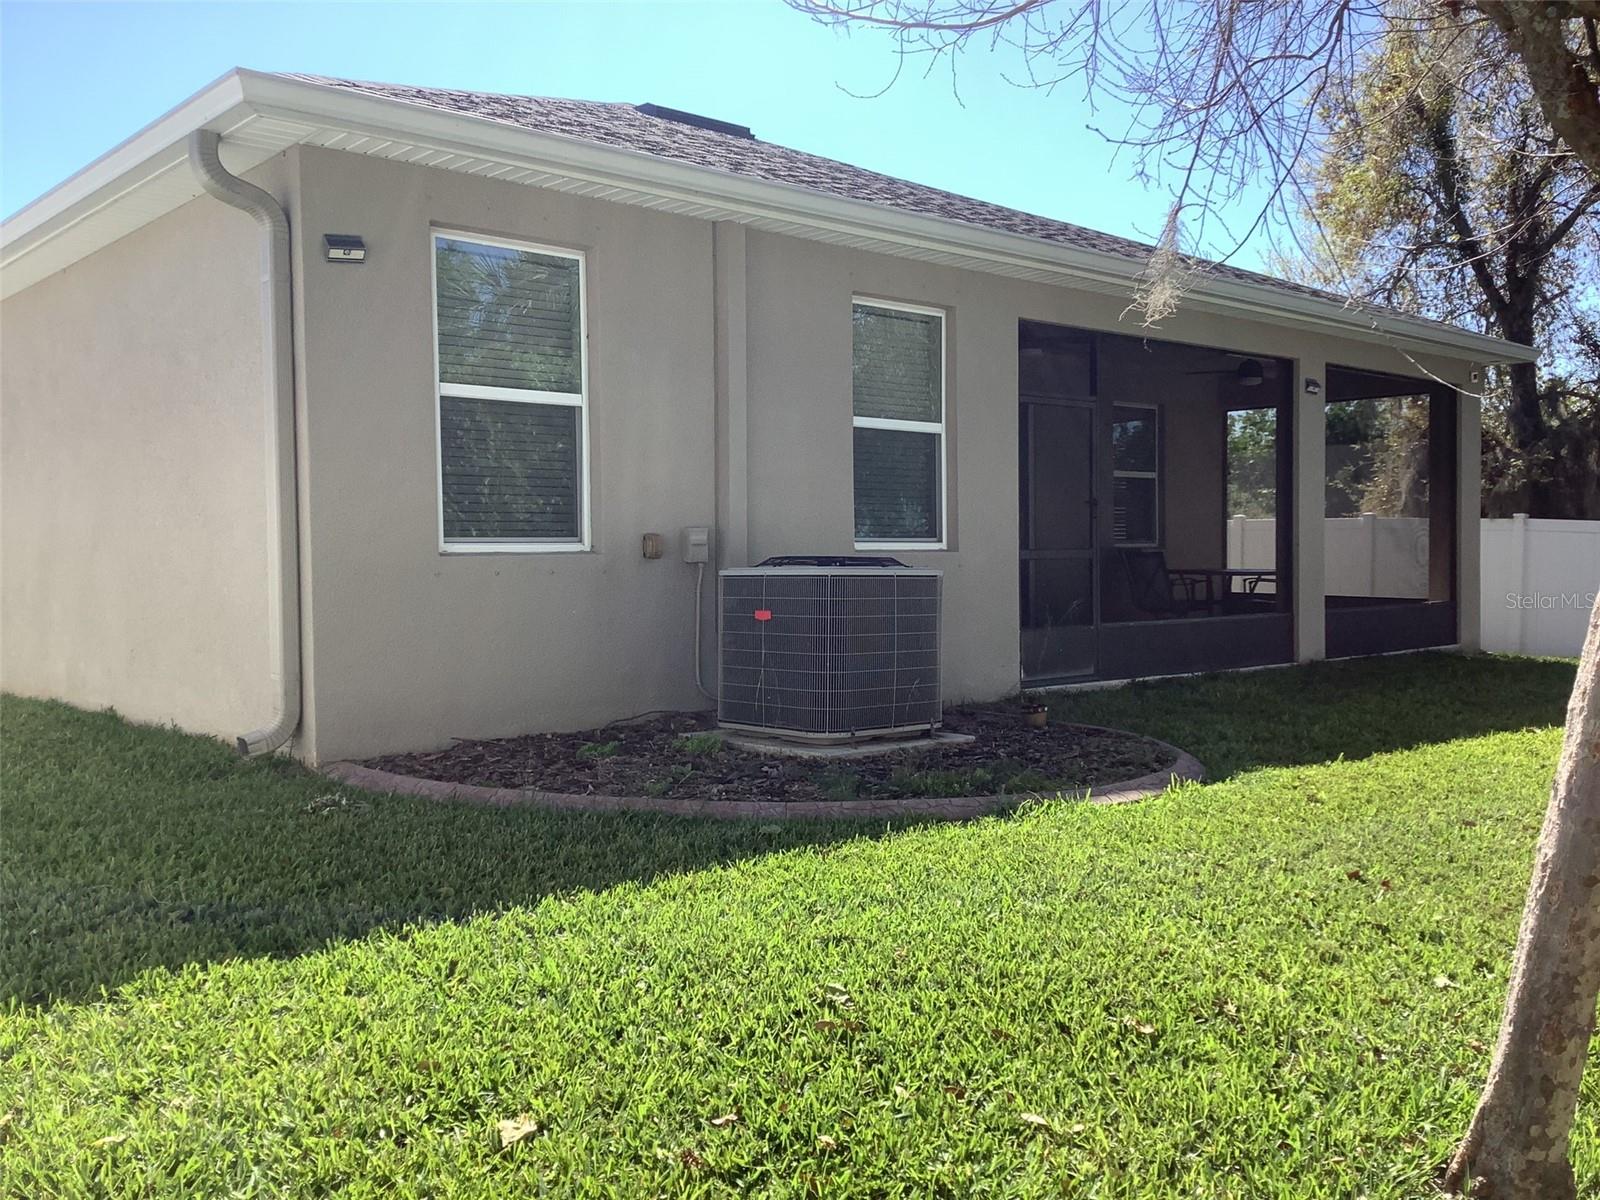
(696, 544)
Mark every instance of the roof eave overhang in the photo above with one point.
(260, 115)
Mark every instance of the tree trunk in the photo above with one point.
(1528, 426)
(1516, 1145)
(1569, 98)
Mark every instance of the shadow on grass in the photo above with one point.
(127, 847)
(1324, 711)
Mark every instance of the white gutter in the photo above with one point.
(283, 523)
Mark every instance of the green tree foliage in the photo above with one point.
(1442, 190)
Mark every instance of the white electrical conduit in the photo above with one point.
(699, 610)
(283, 521)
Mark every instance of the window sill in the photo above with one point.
(901, 546)
(464, 548)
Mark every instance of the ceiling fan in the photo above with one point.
(1249, 373)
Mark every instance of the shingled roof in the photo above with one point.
(625, 127)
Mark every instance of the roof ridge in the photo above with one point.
(311, 77)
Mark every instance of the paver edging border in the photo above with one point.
(951, 808)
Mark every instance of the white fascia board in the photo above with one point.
(135, 182)
(631, 176)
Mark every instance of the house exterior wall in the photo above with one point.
(409, 646)
(719, 394)
(720, 365)
(133, 557)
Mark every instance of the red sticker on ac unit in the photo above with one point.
(763, 614)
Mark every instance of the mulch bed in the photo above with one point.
(659, 756)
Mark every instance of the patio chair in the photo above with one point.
(1156, 590)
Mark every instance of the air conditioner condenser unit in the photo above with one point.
(829, 649)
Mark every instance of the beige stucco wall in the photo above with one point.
(409, 646)
(132, 480)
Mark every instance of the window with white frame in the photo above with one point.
(512, 392)
(1136, 476)
(899, 402)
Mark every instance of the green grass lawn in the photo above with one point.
(232, 979)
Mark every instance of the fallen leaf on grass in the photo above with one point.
(690, 1160)
(1444, 981)
(835, 993)
(824, 1142)
(725, 1120)
(1037, 1121)
(114, 1139)
(1353, 876)
(515, 1129)
(849, 1026)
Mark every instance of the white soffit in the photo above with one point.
(261, 115)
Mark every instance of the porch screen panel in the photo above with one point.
(1136, 476)
(898, 400)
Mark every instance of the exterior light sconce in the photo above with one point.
(344, 248)
(1313, 387)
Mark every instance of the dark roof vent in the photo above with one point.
(695, 119)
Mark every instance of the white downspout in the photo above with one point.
(283, 520)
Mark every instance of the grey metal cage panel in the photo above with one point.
(843, 653)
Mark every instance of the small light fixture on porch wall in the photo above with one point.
(1313, 386)
(344, 248)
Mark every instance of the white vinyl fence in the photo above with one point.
(1539, 581)
(1538, 577)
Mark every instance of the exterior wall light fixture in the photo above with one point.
(344, 248)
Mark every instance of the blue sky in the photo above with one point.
(77, 78)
